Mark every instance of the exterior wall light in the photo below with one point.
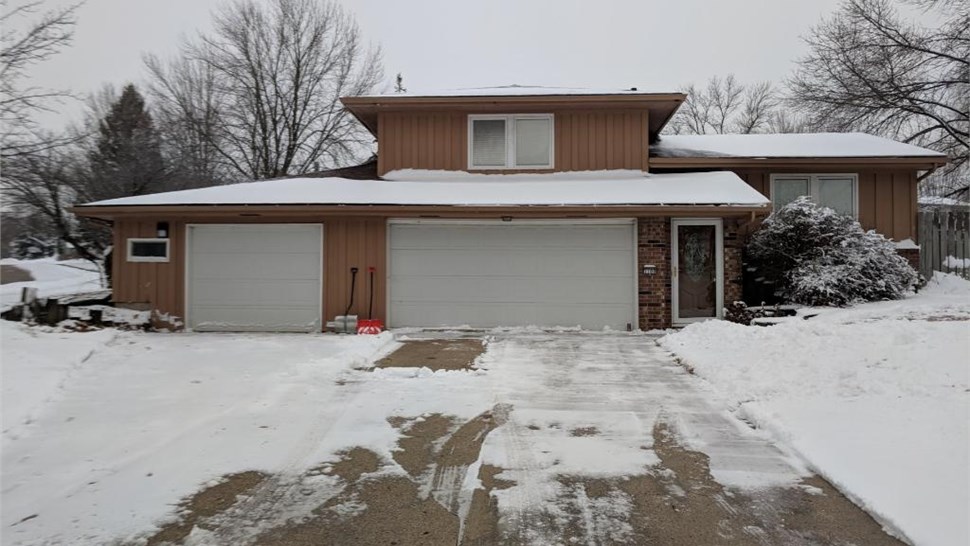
(649, 270)
(161, 230)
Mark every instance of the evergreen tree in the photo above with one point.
(126, 159)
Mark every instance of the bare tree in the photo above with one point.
(726, 106)
(261, 92)
(41, 184)
(872, 69)
(39, 40)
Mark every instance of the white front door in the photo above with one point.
(254, 277)
(697, 269)
(518, 273)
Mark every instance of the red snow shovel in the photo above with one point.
(370, 325)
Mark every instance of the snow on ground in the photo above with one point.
(148, 418)
(51, 278)
(874, 397)
(31, 379)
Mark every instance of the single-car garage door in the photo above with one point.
(255, 277)
(486, 274)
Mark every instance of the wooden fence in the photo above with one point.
(944, 237)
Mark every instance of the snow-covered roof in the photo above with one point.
(795, 145)
(525, 90)
(450, 188)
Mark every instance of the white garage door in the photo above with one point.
(255, 277)
(512, 274)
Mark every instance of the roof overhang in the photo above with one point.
(660, 105)
(808, 163)
(188, 212)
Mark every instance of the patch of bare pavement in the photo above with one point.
(434, 354)
(10, 274)
(361, 499)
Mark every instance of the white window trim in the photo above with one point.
(510, 141)
(132, 258)
(813, 179)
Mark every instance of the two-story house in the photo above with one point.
(499, 207)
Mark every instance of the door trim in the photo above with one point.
(632, 222)
(188, 256)
(718, 224)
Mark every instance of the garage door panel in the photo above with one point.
(260, 277)
(494, 314)
(255, 292)
(255, 238)
(508, 289)
(491, 236)
(512, 274)
(281, 267)
(542, 262)
(271, 319)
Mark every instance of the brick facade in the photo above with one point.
(733, 244)
(654, 248)
(911, 255)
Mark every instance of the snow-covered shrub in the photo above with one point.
(816, 256)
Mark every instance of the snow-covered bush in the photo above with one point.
(816, 256)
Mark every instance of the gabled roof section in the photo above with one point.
(731, 150)
(519, 99)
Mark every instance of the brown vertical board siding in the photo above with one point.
(884, 204)
(645, 140)
(867, 199)
(584, 140)
(902, 225)
(354, 242)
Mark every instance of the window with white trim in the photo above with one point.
(515, 141)
(147, 250)
(839, 192)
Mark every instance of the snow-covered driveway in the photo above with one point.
(550, 438)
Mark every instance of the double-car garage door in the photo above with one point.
(261, 277)
(487, 274)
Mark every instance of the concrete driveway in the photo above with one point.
(590, 438)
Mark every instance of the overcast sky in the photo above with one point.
(456, 43)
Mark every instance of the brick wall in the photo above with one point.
(911, 255)
(733, 243)
(653, 248)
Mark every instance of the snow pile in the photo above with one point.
(51, 278)
(874, 397)
(952, 262)
(816, 256)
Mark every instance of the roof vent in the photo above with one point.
(633, 89)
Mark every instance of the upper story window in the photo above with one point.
(839, 192)
(520, 141)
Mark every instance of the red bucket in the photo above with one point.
(370, 326)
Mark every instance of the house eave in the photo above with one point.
(116, 212)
